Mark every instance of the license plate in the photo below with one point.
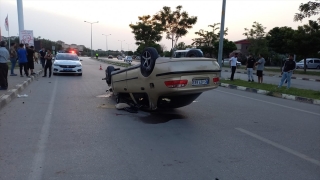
(199, 82)
(67, 69)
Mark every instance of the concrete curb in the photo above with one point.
(12, 93)
(274, 94)
(274, 75)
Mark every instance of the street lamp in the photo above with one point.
(121, 44)
(106, 42)
(91, 34)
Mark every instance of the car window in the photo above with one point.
(67, 57)
(316, 61)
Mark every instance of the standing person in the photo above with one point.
(97, 55)
(30, 56)
(4, 57)
(287, 71)
(13, 57)
(233, 63)
(250, 66)
(42, 53)
(48, 58)
(22, 55)
(260, 67)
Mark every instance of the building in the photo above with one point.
(243, 46)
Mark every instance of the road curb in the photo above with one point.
(275, 75)
(13, 93)
(274, 94)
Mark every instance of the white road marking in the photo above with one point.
(279, 146)
(38, 159)
(271, 103)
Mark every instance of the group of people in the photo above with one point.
(252, 64)
(25, 56)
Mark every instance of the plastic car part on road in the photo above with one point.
(148, 61)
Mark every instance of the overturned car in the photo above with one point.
(159, 82)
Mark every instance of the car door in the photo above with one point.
(317, 63)
(310, 64)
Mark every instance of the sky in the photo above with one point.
(64, 20)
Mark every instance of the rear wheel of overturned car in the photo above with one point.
(148, 60)
(194, 53)
(108, 74)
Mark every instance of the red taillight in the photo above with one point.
(215, 79)
(176, 83)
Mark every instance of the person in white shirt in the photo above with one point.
(233, 64)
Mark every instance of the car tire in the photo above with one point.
(108, 74)
(194, 53)
(80, 74)
(118, 99)
(54, 74)
(148, 60)
(318, 67)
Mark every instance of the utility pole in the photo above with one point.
(20, 16)
(106, 42)
(220, 54)
(91, 35)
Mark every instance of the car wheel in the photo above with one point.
(194, 53)
(108, 74)
(80, 74)
(54, 74)
(148, 61)
(318, 67)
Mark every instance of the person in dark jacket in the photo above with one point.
(250, 67)
(287, 71)
(48, 65)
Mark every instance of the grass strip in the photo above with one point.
(307, 93)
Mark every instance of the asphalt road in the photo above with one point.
(302, 84)
(67, 128)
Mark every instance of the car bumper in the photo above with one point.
(58, 69)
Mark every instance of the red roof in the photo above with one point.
(243, 41)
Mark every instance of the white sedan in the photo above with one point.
(67, 63)
(128, 59)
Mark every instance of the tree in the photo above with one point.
(306, 40)
(181, 46)
(307, 10)
(175, 23)
(146, 31)
(255, 35)
(156, 46)
(228, 47)
(278, 38)
(208, 38)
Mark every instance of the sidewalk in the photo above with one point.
(16, 84)
(274, 74)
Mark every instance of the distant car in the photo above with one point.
(159, 82)
(110, 57)
(67, 63)
(310, 63)
(119, 57)
(128, 59)
(226, 62)
(137, 58)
